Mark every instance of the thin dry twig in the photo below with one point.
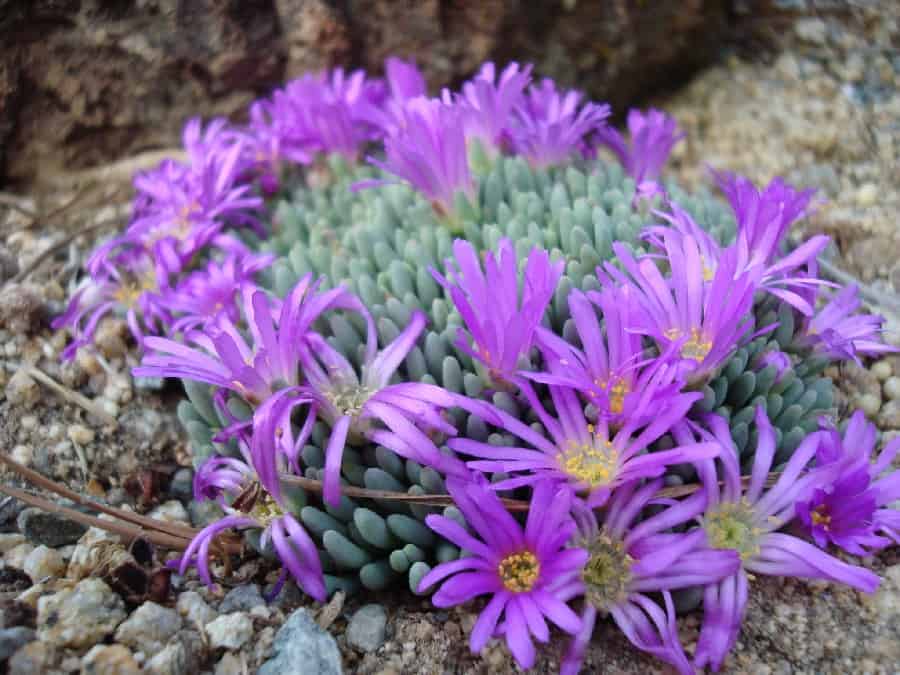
(50, 250)
(123, 170)
(72, 396)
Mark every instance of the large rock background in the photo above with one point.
(86, 81)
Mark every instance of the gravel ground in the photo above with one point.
(825, 112)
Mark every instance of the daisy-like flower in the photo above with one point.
(501, 323)
(612, 369)
(222, 357)
(429, 152)
(367, 406)
(488, 104)
(127, 284)
(592, 457)
(838, 332)
(852, 511)
(552, 125)
(630, 558)
(747, 520)
(653, 135)
(516, 566)
(764, 217)
(250, 494)
(787, 277)
(404, 83)
(200, 296)
(703, 317)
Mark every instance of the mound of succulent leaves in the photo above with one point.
(441, 343)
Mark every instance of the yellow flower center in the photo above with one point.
(730, 526)
(820, 516)
(697, 347)
(128, 292)
(607, 572)
(519, 572)
(265, 510)
(595, 462)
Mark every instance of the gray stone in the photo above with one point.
(79, 617)
(22, 390)
(366, 630)
(182, 485)
(173, 659)
(194, 609)
(149, 628)
(241, 599)
(203, 513)
(13, 638)
(35, 657)
(172, 511)
(230, 631)
(49, 529)
(301, 647)
(44, 562)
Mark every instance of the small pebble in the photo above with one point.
(149, 628)
(15, 557)
(9, 540)
(230, 631)
(366, 630)
(23, 454)
(80, 434)
(22, 390)
(171, 511)
(109, 660)
(49, 529)
(21, 307)
(892, 387)
(11, 639)
(867, 195)
(44, 562)
(882, 369)
(870, 404)
(241, 599)
(79, 617)
(194, 609)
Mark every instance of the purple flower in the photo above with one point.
(851, 510)
(500, 322)
(429, 152)
(763, 218)
(787, 277)
(222, 357)
(653, 135)
(552, 126)
(514, 565)
(405, 83)
(488, 104)
(593, 458)
(837, 332)
(704, 318)
(630, 558)
(747, 520)
(351, 403)
(611, 369)
(128, 284)
(272, 141)
(202, 295)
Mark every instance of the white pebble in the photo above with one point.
(882, 369)
(892, 387)
(44, 562)
(80, 434)
(22, 454)
(870, 404)
(230, 630)
(867, 194)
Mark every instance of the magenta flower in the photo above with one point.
(653, 135)
(516, 566)
(126, 284)
(501, 323)
(222, 357)
(763, 217)
(787, 277)
(703, 315)
(201, 296)
(405, 83)
(351, 403)
(747, 520)
(488, 104)
(852, 510)
(429, 152)
(592, 458)
(838, 332)
(552, 126)
(630, 558)
(612, 369)
(251, 507)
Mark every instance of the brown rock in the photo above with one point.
(21, 307)
(86, 82)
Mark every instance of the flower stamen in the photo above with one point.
(519, 572)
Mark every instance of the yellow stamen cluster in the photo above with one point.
(821, 517)
(265, 510)
(697, 347)
(595, 462)
(128, 292)
(731, 525)
(349, 400)
(607, 572)
(519, 572)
